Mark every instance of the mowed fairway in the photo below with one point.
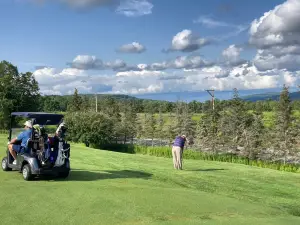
(113, 188)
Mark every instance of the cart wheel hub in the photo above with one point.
(3, 164)
(25, 172)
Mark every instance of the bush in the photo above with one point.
(93, 129)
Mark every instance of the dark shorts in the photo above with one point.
(18, 148)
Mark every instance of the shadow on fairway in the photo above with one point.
(83, 175)
(207, 170)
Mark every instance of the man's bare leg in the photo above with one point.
(12, 152)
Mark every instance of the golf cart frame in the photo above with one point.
(30, 163)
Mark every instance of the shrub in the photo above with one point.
(90, 128)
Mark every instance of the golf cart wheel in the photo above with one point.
(4, 164)
(26, 172)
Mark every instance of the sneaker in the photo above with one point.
(15, 162)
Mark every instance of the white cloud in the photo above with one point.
(200, 79)
(181, 62)
(159, 66)
(189, 62)
(232, 54)
(277, 36)
(268, 61)
(187, 41)
(53, 81)
(134, 47)
(212, 23)
(139, 73)
(51, 76)
(227, 80)
(209, 22)
(152, 88)
(87, 62)
(134, 8)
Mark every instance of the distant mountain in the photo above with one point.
(270, 96)
(118, 97)
(115, 96)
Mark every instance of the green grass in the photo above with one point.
(114, 188)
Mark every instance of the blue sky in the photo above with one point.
(217, 44)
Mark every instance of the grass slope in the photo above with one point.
(114, 188)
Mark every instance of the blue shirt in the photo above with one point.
(179, 142)
(24, 136)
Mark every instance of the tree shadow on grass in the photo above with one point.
(207, 170)
(84, 175)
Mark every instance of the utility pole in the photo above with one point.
(212, 94)
(96, 103)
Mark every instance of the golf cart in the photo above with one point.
(44, 154)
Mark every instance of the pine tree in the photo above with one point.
(140, 124)
(129, 125)
(201, 131)
(150, 126)
(235, 121)
(160, 126)
(170, 128)
(76, 102)
(86, 104)
(285, 134)
(255, 135)
(178, 122)
(188, 125)
(208, 129)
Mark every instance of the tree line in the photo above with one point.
(55, 103)
(232, 128)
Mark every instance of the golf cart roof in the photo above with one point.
(41, 117)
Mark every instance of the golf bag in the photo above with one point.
(63, 151)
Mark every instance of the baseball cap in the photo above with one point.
(28, 123)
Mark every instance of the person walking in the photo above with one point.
(177, 151)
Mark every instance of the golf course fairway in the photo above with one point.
(113, 188)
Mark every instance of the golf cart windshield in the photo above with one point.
(43, 119)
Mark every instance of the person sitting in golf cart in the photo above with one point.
(23, 137)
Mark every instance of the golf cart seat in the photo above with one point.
(29, 148)
(32, 144)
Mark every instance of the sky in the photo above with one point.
(162, 49)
